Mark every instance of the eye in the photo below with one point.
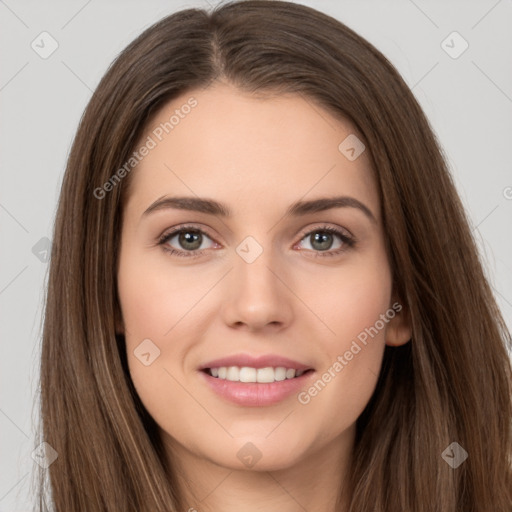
(321, 241)
(190, 241)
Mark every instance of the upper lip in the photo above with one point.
(262, 361)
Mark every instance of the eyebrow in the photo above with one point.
(297, 209)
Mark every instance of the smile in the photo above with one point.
(243, 387)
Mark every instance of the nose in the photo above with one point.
(257, 295)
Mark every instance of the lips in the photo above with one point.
(256, 394)
(262, 361)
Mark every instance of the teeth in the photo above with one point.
(247, 374)
(243, 374)
(233, 373)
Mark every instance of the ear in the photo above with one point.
(398, 330)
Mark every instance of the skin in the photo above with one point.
(257, 155)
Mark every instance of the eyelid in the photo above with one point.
(325, 226)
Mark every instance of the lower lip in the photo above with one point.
(256, 394)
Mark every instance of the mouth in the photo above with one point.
(250, 380)
(256, 387)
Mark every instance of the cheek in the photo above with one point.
(163, 305)
(154, 303)
(153, 299)
(355, 304)
(352, 300)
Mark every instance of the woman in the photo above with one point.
(263, 289)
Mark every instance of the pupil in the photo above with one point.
(187, 238)
(323, 239)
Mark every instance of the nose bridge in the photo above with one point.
(256, 296)
(253, 262)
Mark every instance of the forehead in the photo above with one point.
(238, 147)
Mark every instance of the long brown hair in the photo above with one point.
(450, 383)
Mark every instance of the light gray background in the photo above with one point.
(468, 101)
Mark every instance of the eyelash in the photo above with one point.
(348, 241)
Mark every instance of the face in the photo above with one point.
(312, 285)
